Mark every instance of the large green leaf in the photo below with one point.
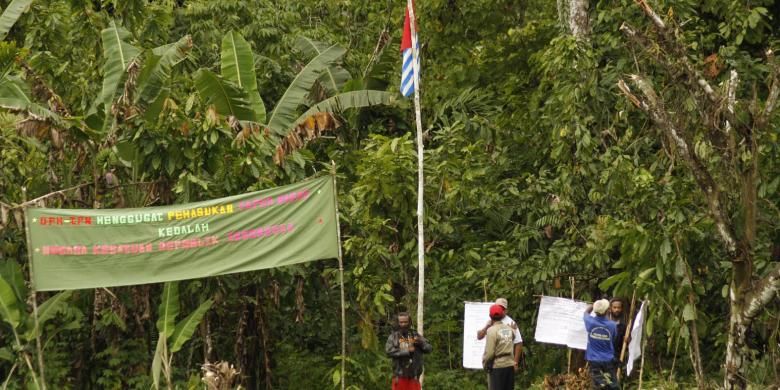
(285, 112)
(8, 304)
(11, 14)
(238, 66)
(11, 272)
(47, 311)
(224, 95)
(343, 101)
(168, 309)
(157, 70)
(15, 95)
(186, 327)
(332, 78)
(117, 54)
(159, 355)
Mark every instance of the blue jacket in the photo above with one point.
(601, 336)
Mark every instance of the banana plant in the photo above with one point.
(25, 328)
(144, 74)
(173, 335)
(234, 93)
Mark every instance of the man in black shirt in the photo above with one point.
(617, 315)
(406, 348)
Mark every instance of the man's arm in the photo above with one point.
(392, 350)
(423, 344)
(518, 353)
(482, 332)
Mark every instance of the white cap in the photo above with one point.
(601, 306)
(502, 302)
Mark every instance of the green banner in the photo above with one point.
(74, 249)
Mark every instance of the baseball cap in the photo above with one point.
(601, 306)
(502, 302)
(496, 310)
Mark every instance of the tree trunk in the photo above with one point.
(578, 19)
(695, 350)
(736, 349)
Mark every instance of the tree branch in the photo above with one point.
(659, 24)
(774, 89)
(695, 78)
(764, 291)
(653, 106)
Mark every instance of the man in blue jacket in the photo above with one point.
(600, 352)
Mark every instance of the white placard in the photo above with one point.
(635, 345)
(475, 316)
(560, 322)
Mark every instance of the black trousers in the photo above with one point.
(604, 375)
(502, 378)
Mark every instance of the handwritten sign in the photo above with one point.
(475, 316)
(560, 322)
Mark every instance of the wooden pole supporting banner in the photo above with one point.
(38, 347)
(341, 284)
(571, 282)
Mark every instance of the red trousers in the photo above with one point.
(406, 384)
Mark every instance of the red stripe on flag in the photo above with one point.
(406, 38)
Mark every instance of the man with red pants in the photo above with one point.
(406, 348)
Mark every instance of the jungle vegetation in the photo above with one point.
(600, 148)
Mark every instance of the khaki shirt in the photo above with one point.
(499, 346)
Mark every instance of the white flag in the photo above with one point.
(635, 346)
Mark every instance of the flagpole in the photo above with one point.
(341, 281)
(420, 176)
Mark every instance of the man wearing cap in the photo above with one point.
(600, 352)
(406, 348)
(517, 340)
(499, 345)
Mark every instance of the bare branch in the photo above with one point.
(732, 96)
(627, 91)
(774, 89)
(659, 24)
(653, 106)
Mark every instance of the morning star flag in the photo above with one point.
(409, 40)
(74, 249)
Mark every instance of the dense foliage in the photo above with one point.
(542, 178)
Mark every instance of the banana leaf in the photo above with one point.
(15, 96)
(168, 309)
(47, 311)
(11, 272)
(238, 66)
(285, 112)
(157, 71)
(118, 54)
(347, 100)
(11, 14)
(224, 95)
(159, 355)
(187, 326)
(334, 77)
(8, 304)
